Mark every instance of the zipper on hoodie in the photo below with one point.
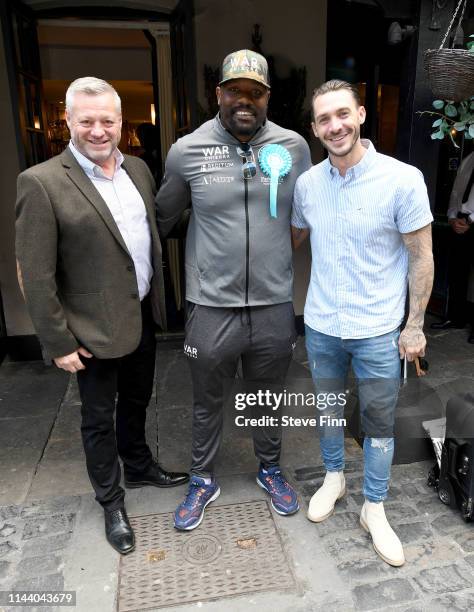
(247, 222)
(247, 242)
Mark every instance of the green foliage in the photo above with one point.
(452, 118)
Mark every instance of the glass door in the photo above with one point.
(25, 82)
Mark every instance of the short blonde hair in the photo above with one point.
(91, 86)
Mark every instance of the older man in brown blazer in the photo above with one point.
(89, 257)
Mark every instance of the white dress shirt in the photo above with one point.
(128, 210)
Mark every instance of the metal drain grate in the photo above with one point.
(236, 550)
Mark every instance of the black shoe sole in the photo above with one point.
(146, 483)
(121, 552)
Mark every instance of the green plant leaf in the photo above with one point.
(471, 130)
(459, 126)
(444, 126)
(437, 123)
(451, 110)
(438, 104)
(464, 114)
(470, 45)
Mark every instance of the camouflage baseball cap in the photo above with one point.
(245, 64)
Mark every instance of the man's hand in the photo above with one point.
(412, 343)
(460, 226)
(72, 363)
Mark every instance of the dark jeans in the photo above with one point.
(123, 385)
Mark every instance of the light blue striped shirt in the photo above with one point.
(128, 210)
(359, 265)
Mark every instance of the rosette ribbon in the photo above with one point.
(275, 162)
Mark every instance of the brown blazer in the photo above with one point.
(78, 275)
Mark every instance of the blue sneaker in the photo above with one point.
(190, 512)
(283, 496)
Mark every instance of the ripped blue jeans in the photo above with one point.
(376, 366)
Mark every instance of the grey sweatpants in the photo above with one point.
(216, 338)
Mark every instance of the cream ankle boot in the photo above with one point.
(385, 540)
(322, 503)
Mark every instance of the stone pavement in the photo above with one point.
(51, 530)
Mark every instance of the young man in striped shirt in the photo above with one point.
(369, 221)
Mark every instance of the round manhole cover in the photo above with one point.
(202, 549)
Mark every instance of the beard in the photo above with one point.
(242, 127)
(343, 151)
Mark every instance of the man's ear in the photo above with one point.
(218, 94)
(315, 131)
(362, 114)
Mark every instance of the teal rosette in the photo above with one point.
(275, 162)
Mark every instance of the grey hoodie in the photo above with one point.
(236, 253)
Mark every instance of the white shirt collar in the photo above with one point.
(362, 165)
(89, 167)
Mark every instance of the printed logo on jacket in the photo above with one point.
(215, 158)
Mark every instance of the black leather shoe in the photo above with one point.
(155, 476)
(447, 324)
(470, 338)
(118, 531)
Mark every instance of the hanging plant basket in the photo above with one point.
(451, 71)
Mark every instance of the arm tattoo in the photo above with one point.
(420, 274)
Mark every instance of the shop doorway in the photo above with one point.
(149, 58)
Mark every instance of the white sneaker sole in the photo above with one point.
(273, 506)
(393, 562)
(320, 519)
(191, 527)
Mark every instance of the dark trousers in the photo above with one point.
(123, 386)
(216, 338)
(461, 255)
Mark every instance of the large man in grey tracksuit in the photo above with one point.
(238, 265)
